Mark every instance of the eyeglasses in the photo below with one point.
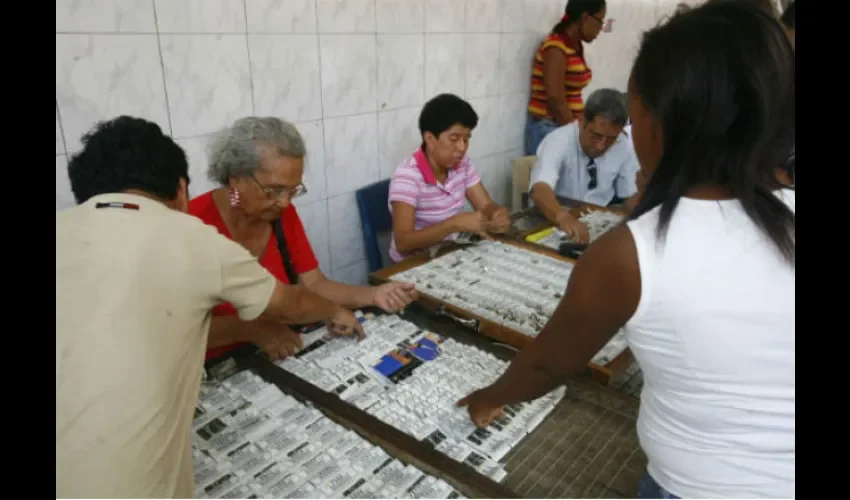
(591, 171)
(276, 193)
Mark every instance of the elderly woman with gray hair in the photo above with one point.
(259, 164)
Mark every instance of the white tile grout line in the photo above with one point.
(565, 488)
(324, 142)
(572, 445)
(594, 434)
(250, 66)
(543, 442)
(625, 426)
(61, 131)
(162, 68)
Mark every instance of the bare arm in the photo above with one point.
(480, 199)
(408, 239)
(631, 202)
(288, 304)
(498, 217)
(255, 293)
(298, 304)
(602, 295)
(545, 175)
(391, 297)
(262, 302)
(229, 330)
(554, 67)
(545, 200)
(328, 295)
(349, 296)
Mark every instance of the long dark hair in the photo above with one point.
(719, 80)
(788, 17)
(574, 10)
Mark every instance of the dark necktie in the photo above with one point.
(591, 171)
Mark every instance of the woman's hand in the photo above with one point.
(395, 296)
(344, 323)
(499, 221)
(471, 222)
(481, 411)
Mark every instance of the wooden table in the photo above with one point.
(531, 220)
(483, 326)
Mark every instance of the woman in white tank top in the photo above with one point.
(702, 277)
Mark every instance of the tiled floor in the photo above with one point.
(587, 448)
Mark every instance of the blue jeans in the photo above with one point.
(648, 488)
(535, 130)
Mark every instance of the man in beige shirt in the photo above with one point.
(136, 279)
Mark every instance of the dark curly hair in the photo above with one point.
(127, 153)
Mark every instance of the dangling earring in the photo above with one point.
(234, 197)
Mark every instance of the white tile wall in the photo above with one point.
(352, 74)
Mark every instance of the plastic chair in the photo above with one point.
(374, 217)
(521, 168)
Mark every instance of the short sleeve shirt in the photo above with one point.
(414, 183)
(300, 252)
(135, 284)
(563, 166)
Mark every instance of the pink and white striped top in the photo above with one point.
(415, 184)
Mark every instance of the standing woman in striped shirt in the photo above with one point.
(560, 72)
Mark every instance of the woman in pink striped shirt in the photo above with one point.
(429, 189)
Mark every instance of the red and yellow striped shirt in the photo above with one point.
(576, 77)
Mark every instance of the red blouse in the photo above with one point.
(300, 252)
